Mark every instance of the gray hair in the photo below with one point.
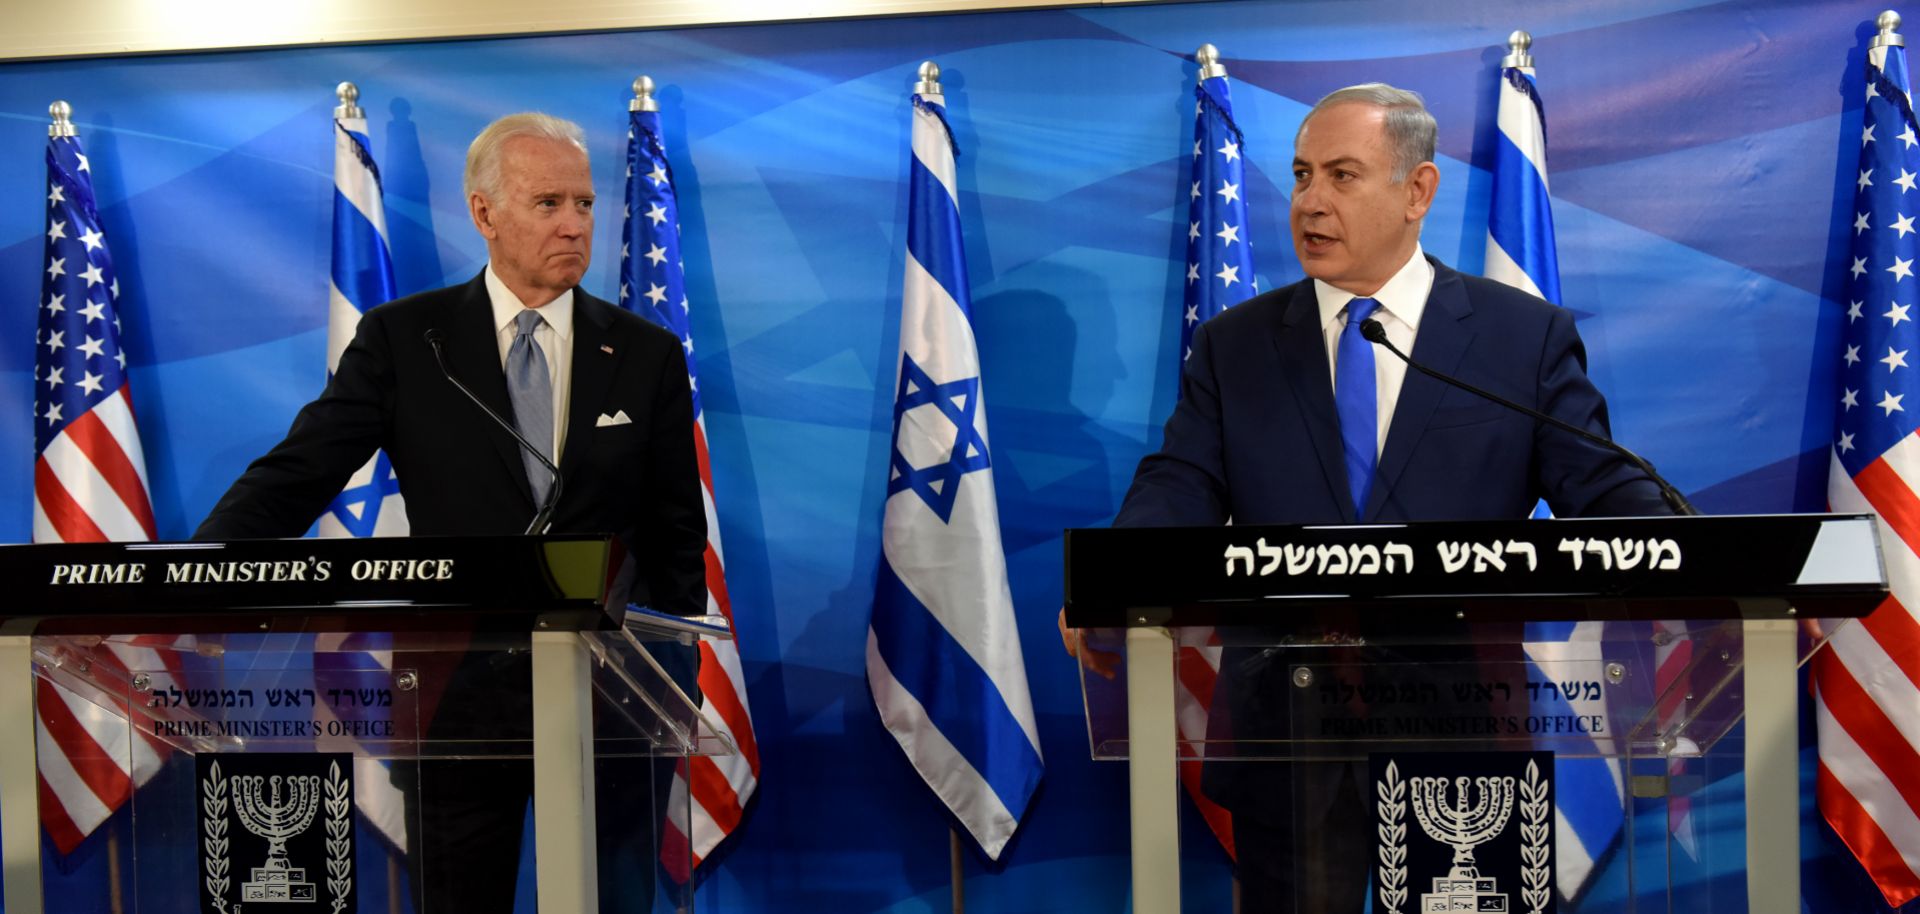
(483, 156)
(1410, 129)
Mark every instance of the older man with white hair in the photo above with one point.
(599, 391)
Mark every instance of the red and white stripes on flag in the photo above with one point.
(89, 485)
(1866, 681)
(90, 759)
(653, 284)
(90, 481)
(1672, 682)
(1197, 669)
(1866, 686)
(721, 785)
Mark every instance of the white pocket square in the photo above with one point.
(619, 417)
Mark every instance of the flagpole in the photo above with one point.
(116, 893)
(954, 873)
(929, 84)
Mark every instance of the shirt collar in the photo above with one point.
(507, 306)
(1404, 296)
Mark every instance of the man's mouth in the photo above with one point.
(1316, 243)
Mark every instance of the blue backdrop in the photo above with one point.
(1697, 157)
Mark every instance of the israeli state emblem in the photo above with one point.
(1464, 832)
(276, 829)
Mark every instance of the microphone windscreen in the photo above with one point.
(1372, 332)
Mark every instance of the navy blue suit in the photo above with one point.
(1255, 439)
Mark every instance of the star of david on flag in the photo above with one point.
(938, 483)
(362, 277)
(943, 653)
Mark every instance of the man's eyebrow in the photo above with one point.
(1342, 160)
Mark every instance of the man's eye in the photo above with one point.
(1299, 175)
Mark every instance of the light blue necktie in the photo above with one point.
(531, 392)
(1355, 399)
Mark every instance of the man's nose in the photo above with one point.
(576, 223)
(1308, 198)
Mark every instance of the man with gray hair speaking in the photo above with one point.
(600, 391)
(1288, 415)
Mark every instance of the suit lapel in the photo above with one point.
(1303, 359)
(593, 361)
(1441, 343)
(473, 354)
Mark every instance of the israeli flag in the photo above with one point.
(1521, 253)
(370, 505)
(943, 654)
(1590, 793)
(362, 278)
(1520, 249)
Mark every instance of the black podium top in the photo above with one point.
(1754, 567)
(389, 584)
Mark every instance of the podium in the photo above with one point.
(1365, 684)
(275, 694)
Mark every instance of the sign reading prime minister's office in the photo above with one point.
(276, 832)
(1463, 832)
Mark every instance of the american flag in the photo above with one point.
(653, 284)
(1867, 680)
(89, 484)
(1219, 256)
(1522, 253)
(1219, 276)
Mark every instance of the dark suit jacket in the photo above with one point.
(1256, 439)
(462, 474)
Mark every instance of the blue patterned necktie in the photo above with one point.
(531, 392)
(1355, 399)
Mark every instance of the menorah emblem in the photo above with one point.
(1463, 825)
(276, 815)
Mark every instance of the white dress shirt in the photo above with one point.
(555, 336)
(1402, 300)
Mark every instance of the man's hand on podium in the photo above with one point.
(1106, 663)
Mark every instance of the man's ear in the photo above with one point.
(1421, 185)
(482, 212)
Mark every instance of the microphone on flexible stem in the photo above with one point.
(542, 519)
(1373, 332)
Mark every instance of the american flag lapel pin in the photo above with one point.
(606, 348)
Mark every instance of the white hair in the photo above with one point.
(483, 156)
(1410, 128)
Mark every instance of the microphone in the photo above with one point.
(542, 519)
(1373, 332)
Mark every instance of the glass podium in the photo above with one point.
(259, 735)
(1522, 739)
